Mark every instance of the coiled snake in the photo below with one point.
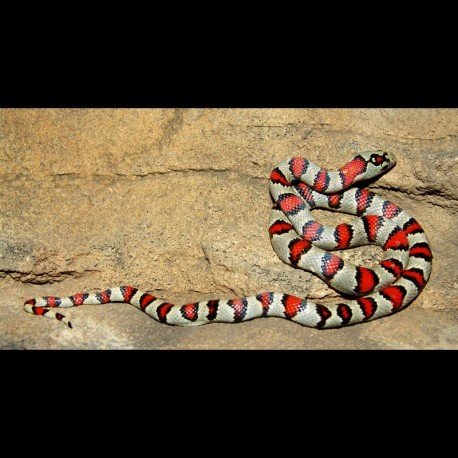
(297, 186)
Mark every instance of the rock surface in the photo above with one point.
(176, 202)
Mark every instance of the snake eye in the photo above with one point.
(378, 159)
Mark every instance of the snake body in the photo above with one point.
(298, 186)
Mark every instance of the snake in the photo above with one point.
(297, 187)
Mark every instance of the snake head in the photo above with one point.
(365, 166)
(381, 160)
(378, 161)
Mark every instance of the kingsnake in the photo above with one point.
(297, 186)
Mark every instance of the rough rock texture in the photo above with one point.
(176, 202)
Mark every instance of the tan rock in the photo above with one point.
(176, 202)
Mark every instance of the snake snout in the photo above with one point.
(391, 157)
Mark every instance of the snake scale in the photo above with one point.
(298, 186)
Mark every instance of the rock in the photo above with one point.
(176, 202)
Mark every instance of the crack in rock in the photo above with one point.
(42, 278)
